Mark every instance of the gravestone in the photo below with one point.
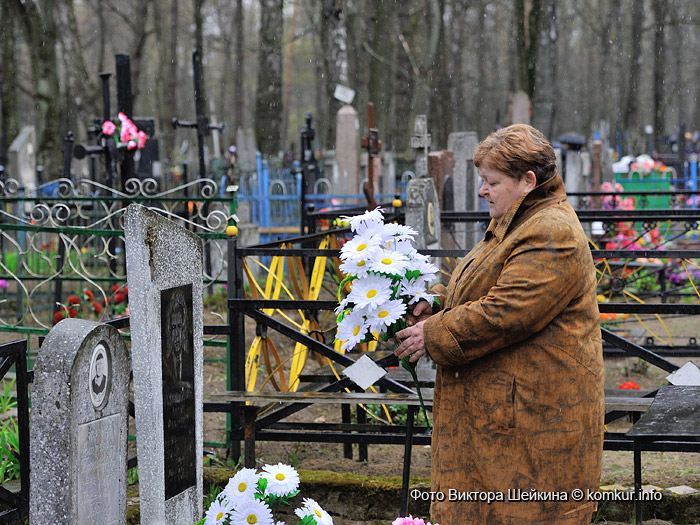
(520, 108)
(466, 183)
(388, 175)
(346, 174)
(423, 215)
(572, 175)
(246, 149)
(79, 422)
(164, 272)
(22, 159)
(441, 169)
(420, 142)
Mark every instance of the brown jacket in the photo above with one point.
(519, 400)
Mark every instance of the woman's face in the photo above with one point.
(501, 191)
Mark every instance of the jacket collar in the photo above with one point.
(542, 196)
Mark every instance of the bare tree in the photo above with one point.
(632, 92)
(268, 100)
(8, 72)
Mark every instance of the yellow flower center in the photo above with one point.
(386, 261)
(383, 314)
(242, 486)
(279, 476)
(252, 518)
(318, 513)
(360, 264)
(356, 331)
(220, 515)
(371, 293)
(361, 247)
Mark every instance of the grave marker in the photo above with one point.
(466, 183)
(79, 426)
(420, 141)
(164, 271)
(22, 157)
(346, 180)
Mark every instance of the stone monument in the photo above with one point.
(346, 179)
(164, 272)
(79, 426)
(423, 214)
(466, 184)
(22, 159)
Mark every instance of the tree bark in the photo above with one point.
(8, 88)
(240, 67)
(268, 100)
(660, 10)
(635, 60)
(333, 45)
(547, 87)
(40, 32)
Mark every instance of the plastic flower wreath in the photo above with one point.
(386, 275)
(125, 133)
(249, 496)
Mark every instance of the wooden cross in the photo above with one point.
(373, 145)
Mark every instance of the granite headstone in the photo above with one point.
(79, 422)
(164, 272)
(466, 183)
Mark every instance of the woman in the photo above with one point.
(519, 401)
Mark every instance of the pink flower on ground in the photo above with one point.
(108, 127)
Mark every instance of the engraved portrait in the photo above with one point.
(100, 375)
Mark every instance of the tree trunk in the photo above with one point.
(440, 100)
(547, 89)
(240, 67)
(39, 26)
(333, 45)
(268, 100)
(635, 60)
(380, 75)
(199, 46)
(660, 9)
(8, 88)
(406, 78)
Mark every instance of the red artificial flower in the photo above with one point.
(115, 287)
(96, 306)
(72, 312)
(629, 385)
(126, 290)
(89, 295)
(119, 298)
(108, 127)
(73, 299)
(58, 316)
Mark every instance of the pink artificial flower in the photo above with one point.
(131, 145)
(123, 117)
(108, 127)
(410, 520)
(142, 139)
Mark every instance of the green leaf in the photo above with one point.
(308, 520)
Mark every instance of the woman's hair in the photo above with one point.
(515, 150)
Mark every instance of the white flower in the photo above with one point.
(361, 223)
(281, 479)
(397, 231)
(217, 513)
(342, 306)
(427, 269)
(359, 246)
(241, 486)
(370, 291)
(403, 246)
(352, 329)
(312, 508)
(359, 264)
(385, 315)
(389, 262)
(415, 289)
(252, 511)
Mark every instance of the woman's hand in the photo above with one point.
(421, 311)
(413, 343)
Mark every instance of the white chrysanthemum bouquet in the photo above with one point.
(249, 496)
(387, 275)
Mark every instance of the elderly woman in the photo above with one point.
(519, 401)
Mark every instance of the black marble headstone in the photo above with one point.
(178, 389)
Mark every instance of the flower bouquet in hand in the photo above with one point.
(386, 275)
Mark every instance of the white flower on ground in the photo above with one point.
(242, 486)
(389, 262)
(359, 247)
(352, 329)
(217, 513)
(312, 508)
(253, 512)
(281, 479)
(415, 289)
(370, 219)
(370, 291)
(385, 315)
